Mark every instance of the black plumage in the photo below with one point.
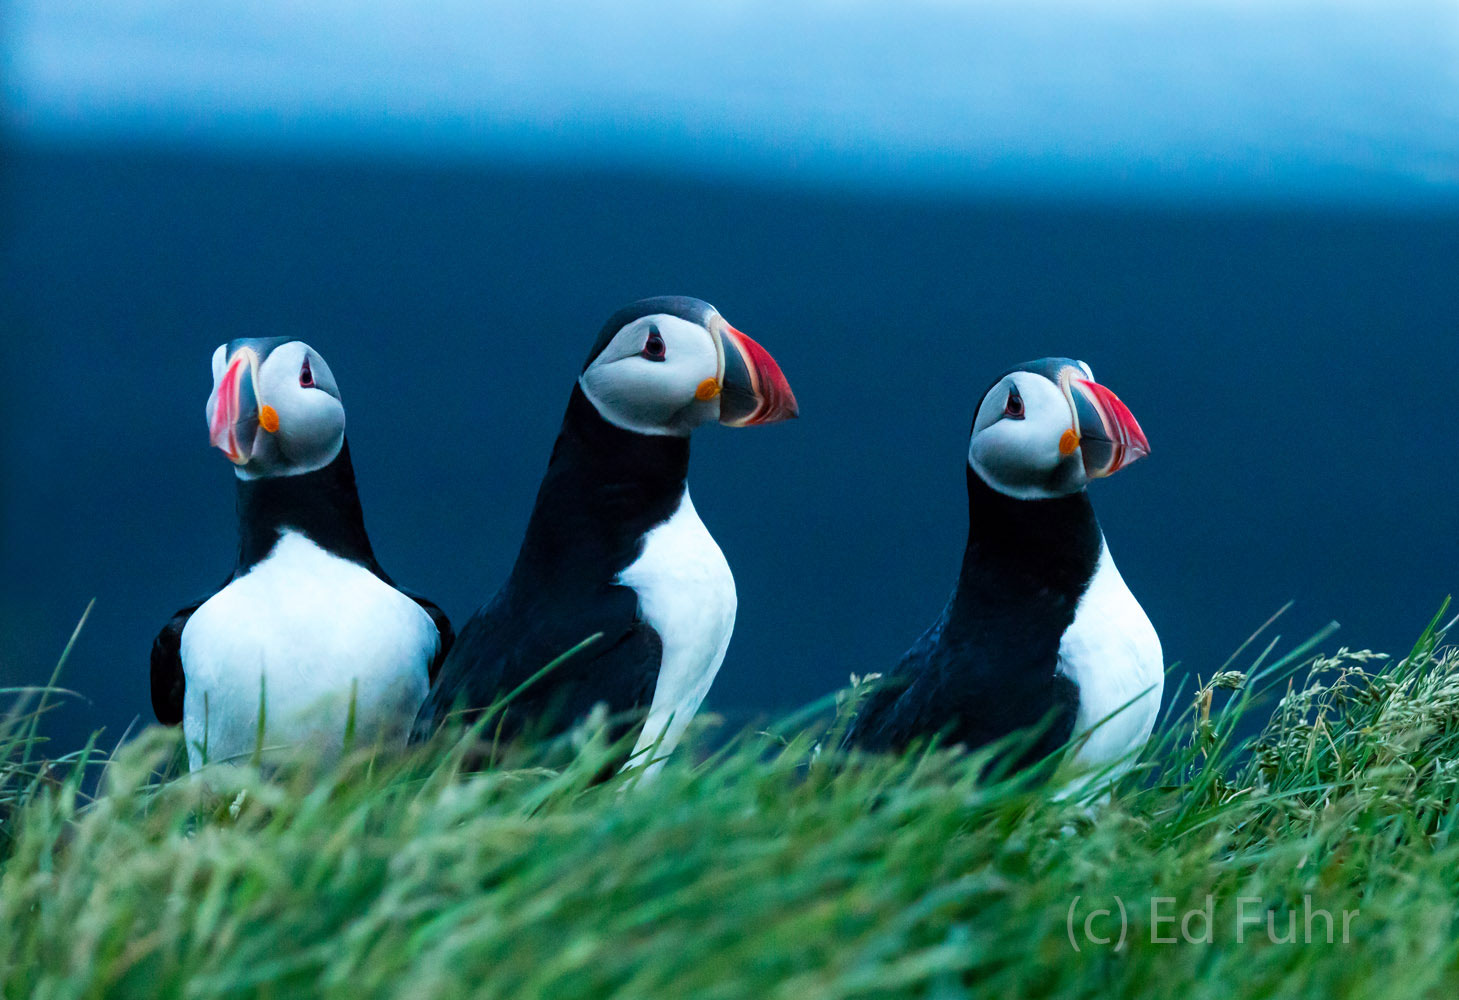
(988, 667)
(604, 490)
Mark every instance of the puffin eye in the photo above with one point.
(1013, 409)
(306, 375)
(653, 347)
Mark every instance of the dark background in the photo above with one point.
(1294, 369)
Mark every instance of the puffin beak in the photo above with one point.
(753, 389)
(1105, 431)
(233, 409)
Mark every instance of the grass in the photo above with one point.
(768, 871)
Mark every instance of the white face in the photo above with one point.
(1020, 444)
(285, 410)
(654, 376)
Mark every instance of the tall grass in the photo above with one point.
(24, 768)
(767, 870)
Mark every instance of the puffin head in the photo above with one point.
(275, 409)
(666, 365)
(1046, 428)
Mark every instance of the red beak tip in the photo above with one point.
(777, 399)
(789, 408)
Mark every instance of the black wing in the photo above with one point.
(943, 690)
(505, 646)
(618, 671)
(898, 709)
(904, 710)
(168, 681)
(443, 628)
(871, 728)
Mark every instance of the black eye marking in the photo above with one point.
(1013, 409)
(653, 347)
(306, 375)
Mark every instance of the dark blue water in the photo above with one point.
(1295, 372)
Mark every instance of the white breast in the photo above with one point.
(687, 594)
(1112, 653)
(307, 632)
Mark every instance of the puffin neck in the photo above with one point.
(323, 505)
(605, 488)
(1024, 558)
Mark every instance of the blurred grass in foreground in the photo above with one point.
(766, 870)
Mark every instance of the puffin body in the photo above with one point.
(686, 594)
(308, 629)
(614, 547)
(1040, 633)
(1113, 656)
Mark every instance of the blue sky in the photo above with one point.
(1335, 98)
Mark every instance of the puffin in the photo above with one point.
(307, 629)
(616, 568)
(1041, 633)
